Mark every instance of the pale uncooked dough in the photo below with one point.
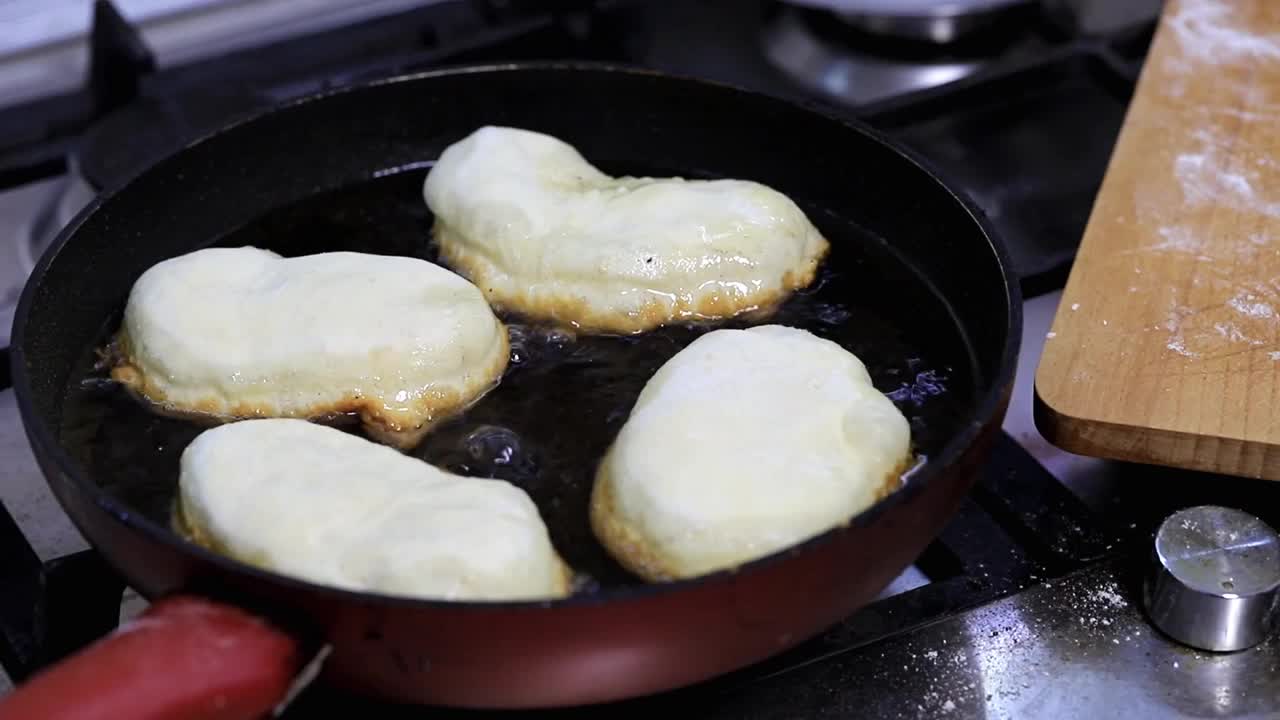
(316, 503)
(744, 443)
(543, 232)
(243, 332)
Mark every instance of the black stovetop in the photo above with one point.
(1027, 136)
(1019, 527)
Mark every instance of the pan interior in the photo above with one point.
(563, 398)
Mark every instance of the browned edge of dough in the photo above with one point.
(621, 541)
(578, 315)
(438, 405)
(564, 588)
(629, 548)
(896, 478)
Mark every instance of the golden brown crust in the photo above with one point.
(565, 586)
(577, 313)
(188, 529)
(401, 430)
(621, 541)
(631, 551)
(893, 481)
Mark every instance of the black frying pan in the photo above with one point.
(915, 285)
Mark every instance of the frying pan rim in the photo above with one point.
(989, 403)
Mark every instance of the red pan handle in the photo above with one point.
(184, 658)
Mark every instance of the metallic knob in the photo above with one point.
(1216, 578)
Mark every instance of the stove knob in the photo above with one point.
(1216, 578)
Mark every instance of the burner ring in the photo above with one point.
(924, 20)
(847, 75)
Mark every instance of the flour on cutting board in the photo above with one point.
(1248, 316)
(1173, 323)
(1218, 170)
(1207, 175)
(1247, 320)
(1248, 304)
(1180, 241)
(1208, 33)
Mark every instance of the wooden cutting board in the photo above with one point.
(1166, 347)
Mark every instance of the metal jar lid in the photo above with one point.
(1215, 578)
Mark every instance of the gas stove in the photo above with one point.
(1030, 602)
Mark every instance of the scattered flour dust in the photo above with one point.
(1235, 334)
(1109, 596)
(1173, 323)
(1206, 176)
(1179, 241)
(1220, 168)
(1208, 32)
(1245, 319)
(1248, 304)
